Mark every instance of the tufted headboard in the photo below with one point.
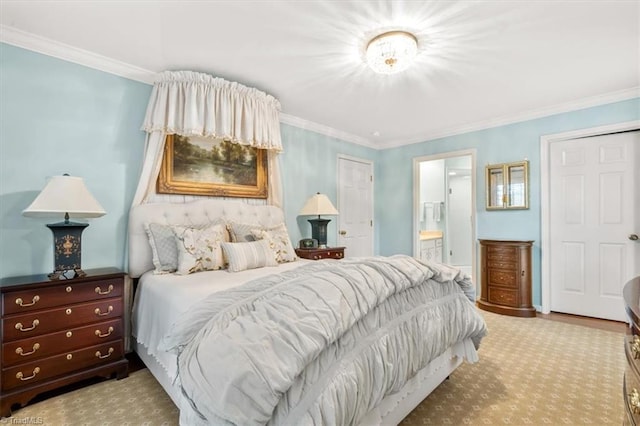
(196, 213)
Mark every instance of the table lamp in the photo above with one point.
(65, 195)
(319, 204)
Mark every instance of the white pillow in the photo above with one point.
(279, 242)
(248, 255)
(199, 248)
(163, 247)
(241, 232)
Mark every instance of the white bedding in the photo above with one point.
(160, 300)
(346, 337)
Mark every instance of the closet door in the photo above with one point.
(594, 214)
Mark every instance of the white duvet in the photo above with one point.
(320, 344)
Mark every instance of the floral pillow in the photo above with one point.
(199, 249)
(279, 242)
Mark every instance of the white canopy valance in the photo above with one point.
(190, 103)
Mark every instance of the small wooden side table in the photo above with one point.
(321, 253)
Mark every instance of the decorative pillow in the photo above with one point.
(249, 255)
(279, 242)
(240, 232)
(163, 246)
(199, 248)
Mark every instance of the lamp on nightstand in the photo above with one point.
(65, 195)
(319, 204)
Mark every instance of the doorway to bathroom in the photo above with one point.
(444, 212)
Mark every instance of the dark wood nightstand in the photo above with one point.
(321, 253)
(59, 332)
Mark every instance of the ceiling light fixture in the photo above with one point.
(392, 52)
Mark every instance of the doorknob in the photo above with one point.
(633, 237)
(345, 233)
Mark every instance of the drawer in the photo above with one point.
(502, 253)
(329, 254)
(631, 394)
(503, 278)
(37, 347)
(631, 386)
(28, 300)
(632, 353)
(502, 264)
(501, 296)
(36, 323)
(37, 371)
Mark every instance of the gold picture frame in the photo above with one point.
(196, 165)
(507, 186)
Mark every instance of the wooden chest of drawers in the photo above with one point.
(631, 381)
(505, 276)
(59, 332)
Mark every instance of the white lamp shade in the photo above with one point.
(65, 194)
(318, 204)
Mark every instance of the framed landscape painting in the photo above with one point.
(195, 165)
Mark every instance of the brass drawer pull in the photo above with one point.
(109, 331)
(21, 352)
(109, 290)
(20, 376)
(20, 302)
(99, 355)
(34, 324)
(69, 289)
(101, 314)
(69, 357)
(635, 347)
(634, 401)
(69, 334)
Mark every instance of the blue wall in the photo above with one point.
(309, 165)
(514, 142)
(58, 117)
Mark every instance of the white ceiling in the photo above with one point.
(480, 63)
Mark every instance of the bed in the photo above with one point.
(300, 342)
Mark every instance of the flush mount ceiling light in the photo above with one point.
(392, 52)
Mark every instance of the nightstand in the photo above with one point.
(59, 332)
(321, 253)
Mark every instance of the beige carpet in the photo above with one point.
(531, 372)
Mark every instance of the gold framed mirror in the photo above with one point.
(507, 186)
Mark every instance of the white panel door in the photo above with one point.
(594, 209)
(459, 231)
(355, 204)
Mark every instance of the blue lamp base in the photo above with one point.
(319, 231)
(67, 250)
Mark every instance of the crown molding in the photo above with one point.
(46, 46)
(326, 130)
(593, 101)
